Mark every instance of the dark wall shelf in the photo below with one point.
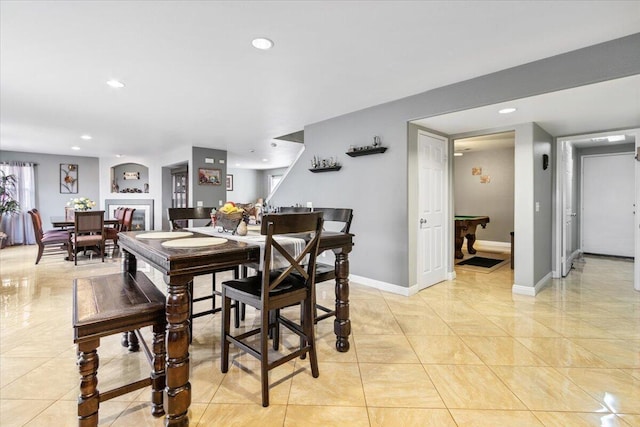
(329, 169)
(366, 152)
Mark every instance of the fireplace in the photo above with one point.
(142, 216)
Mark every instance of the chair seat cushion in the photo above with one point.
(88, 239)
(253, 284)
(55, 238)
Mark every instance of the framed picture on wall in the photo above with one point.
(209, 176)
(229, 182)
(68, 178)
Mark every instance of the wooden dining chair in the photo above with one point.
(88, 233)
(272, 289)
(127, 219)
(111, 233)
(326, 272)
(55, 240)
(293, 209)
(179, 219)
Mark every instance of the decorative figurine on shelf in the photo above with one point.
(376, 141)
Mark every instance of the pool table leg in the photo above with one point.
(459, 241)
(471, 239)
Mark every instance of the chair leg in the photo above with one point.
(89, 399)
(158, 375)
(308, 328)
(226, 328)
(274, 328)
(40, 252)
(264, 356)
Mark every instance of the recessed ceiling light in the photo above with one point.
(75, 147)
(458, 154)
(86, 137)
(262, 43)
(274, 145)
(119, 155)
(265, 160)
(116, 84)
(507, 110)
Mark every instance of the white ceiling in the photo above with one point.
(192, 76)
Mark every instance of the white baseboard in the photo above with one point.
(384, 286)
(491, 246)
(532, 291)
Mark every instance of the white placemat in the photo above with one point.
(194, 242)
(164, 235)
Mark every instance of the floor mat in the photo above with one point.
(479, 261)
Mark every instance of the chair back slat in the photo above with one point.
(127, 219)
(89, 222)
(179, 217)
(343, 215)
(307, 225)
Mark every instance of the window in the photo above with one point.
(274, 180)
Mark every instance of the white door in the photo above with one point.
(568, 210)
(608, 199)
(432, 202)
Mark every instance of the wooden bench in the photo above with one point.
(108, 305)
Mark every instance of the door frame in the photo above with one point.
(559, 223)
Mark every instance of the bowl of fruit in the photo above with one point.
(229, 216)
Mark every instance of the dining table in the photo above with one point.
(62, 222)
(179, 266)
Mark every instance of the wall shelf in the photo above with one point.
(329, 169)
(367, 151)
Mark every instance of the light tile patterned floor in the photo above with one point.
(461, 353)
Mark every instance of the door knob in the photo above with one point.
(423, 221)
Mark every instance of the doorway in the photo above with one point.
(570, 216)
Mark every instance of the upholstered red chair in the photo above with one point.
(111, 233)
(57, 240)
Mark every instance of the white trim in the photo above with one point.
(384, 286)
(531, 291)
(491, 246)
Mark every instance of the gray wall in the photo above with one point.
(246, 185)
(377, 186)
(209, 195)
(49, 200)
(494, 199)
(543, 143)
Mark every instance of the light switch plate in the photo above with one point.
(200, 204)
(208, 160)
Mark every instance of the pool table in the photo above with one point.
(466, 227)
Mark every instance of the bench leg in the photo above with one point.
(89, 399)
(158, 375)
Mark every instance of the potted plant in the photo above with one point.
(8, 205)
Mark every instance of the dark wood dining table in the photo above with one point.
(180, 266)
(62, 222)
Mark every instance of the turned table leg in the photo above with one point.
(342, 324)
(89, 399)
(177, 341)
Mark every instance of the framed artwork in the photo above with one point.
(229, 182)
(68, 178)
(209, 176)
(131, 175)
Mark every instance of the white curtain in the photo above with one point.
(18, 227)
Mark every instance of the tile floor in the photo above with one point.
(461, 353)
